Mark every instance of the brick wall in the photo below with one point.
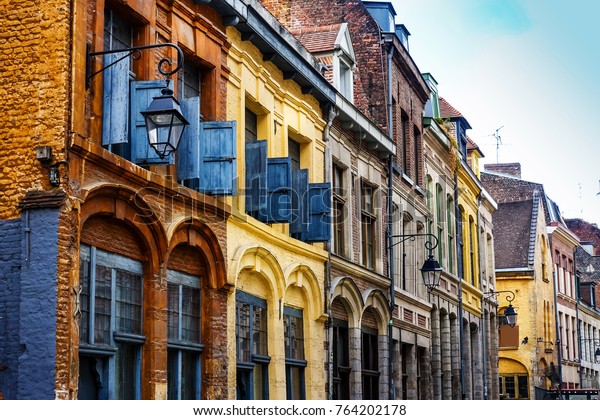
(587, 232)
(10, 265)
(38, 306)
(370, 85)
(511, 169)
(35, 46)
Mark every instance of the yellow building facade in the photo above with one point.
(277, 338)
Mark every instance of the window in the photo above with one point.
(439, 204)
(460, 244)
(417, 155)
(339, 208)
(450, 229)
(368, 221)
(294, 153)
(346, 80)
(252, 350)
(111, 339)
(188, 81)
(370, 364)
(251, 126)
(118, 34)
(405, 142)
(294, 353)
(184, 343)
(472, 245)
(514, 387)
(341, 360)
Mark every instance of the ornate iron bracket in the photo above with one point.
(136, 53)
(487, 296)
(430, 244)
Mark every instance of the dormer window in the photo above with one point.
(344, 63)
(346, 80)
(332, 46)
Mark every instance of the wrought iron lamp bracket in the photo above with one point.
(136, 53)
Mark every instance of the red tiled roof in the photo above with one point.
(448, 111)
(471, 145)
(318, 39)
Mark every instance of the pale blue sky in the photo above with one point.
(530, 66)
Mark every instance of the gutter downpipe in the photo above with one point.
(578, 297)
(329, 293)
(483, 318)
(391, 393)
(460, 302)
(558, 337)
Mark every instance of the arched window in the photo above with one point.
(111, 337)
(184, 337)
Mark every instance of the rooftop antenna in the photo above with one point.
(498, 142)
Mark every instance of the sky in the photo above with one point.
(529, 69)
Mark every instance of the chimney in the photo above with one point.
(511, 169)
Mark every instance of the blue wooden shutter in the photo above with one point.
(256, 176)
(188, 152)
(116, 101)
(279, 191)
(142, 93)
(319, 213)
(218, 157)
(299, 202)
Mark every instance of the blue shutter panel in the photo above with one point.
(188, 152)
(319, 213)
(299, 202)
(116, 101)
(279, 191)
(142, 93)
(256, 176)
(218, 157)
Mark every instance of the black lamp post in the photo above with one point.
(164, 121)
(510, 315)
(595, 342)
(431, 270)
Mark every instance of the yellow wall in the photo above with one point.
(534, 303)
(467, 200)
(263, 259)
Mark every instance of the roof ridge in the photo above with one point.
(533, 226)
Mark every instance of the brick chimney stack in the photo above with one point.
(510, 169)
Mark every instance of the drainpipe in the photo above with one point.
(577, 297)
(328, 292)
(460, 302)
(483, 331)
(558, 337)
(391, 395)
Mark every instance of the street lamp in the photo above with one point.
(595, 342)
(431, 270)
(164, 121)
(510, 315)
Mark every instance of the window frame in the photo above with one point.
(294, 366)
(341, 368)
(184, 349)
(120, 343)
(339, 208)
(370, 363)
(368, 222)
(258, 361)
